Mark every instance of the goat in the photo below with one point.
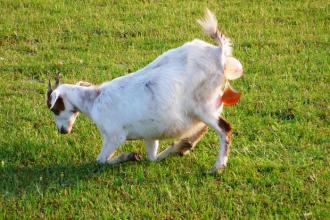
(178, 95)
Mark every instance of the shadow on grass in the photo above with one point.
(37, 179)
(31, 177)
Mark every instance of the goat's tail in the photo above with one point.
(210, 26)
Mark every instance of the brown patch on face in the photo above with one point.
(58, 106)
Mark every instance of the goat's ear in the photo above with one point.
(49, 87)
(54, 96)
(82, 83)
(233, 68)
(57, 80)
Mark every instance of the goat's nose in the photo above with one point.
(63, 130)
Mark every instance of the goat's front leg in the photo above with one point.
(110, 144)
(152, 148)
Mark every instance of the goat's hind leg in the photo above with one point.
(224, 130)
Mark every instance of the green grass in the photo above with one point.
(279, 164)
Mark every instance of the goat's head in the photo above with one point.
(64, 111)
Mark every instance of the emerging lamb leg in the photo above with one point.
(185, 145)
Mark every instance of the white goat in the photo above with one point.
(176, 96)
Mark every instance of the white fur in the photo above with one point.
(209, 23)
(210, 26)
(168, 98)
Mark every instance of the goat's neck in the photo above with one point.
(82, 97)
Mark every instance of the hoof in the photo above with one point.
(185, 148)
(134, 157)
(215, 170)
(101, 160)
(183, 152)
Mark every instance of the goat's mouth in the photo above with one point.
(64, 131)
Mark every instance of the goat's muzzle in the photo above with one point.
(63, 130)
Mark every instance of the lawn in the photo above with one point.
(279, 163)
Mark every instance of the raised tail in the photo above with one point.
(233, 69)
(210, 26)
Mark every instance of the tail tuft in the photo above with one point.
(210, 26)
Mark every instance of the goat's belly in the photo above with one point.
(156, 130)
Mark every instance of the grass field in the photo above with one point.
(279, 164)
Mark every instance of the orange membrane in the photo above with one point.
(233, 70)
(230, 96)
